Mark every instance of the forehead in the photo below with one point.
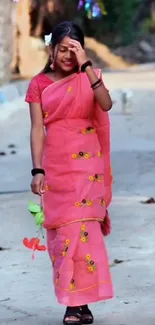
(65, 41)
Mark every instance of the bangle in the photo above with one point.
(97, 86)
(96, 83)
(85, 65)
(36, 171)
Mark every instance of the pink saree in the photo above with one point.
(76, 153)
(78, 182)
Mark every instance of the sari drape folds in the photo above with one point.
(76, 153)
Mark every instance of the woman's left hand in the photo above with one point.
(76, 48)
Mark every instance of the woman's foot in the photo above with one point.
(72, 316)
(87, 317)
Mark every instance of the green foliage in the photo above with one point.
(118, 22)
(146, 26)
(117, 25)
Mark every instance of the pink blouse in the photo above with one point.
(36, 87)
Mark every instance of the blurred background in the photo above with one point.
(120, 39)
(119, 33)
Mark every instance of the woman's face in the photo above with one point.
(64, 58)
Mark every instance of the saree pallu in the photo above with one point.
(77, 190)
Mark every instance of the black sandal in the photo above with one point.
(73, 312)
(87, 316)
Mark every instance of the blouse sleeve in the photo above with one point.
(33, 94)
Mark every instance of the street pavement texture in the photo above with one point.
(26, 289)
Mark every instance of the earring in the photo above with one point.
(52, 66)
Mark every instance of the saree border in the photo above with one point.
(70, 222)
(87, 288)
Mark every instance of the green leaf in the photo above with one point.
(39, 218)
(34, 208)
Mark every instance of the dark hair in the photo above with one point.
(66, 28)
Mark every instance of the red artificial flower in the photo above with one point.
(34, 244)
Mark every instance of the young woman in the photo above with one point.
(71, 170)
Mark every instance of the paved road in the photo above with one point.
(26, 292)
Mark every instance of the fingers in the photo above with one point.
(37, 184)
(42, 189)
(35, 188)
(38, 188)
(73, 49)
(75, 45)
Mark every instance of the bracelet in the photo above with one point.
(97, 86)
(36, 171)
(85, 65)
(96, 83)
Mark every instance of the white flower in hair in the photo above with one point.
(48, 39)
